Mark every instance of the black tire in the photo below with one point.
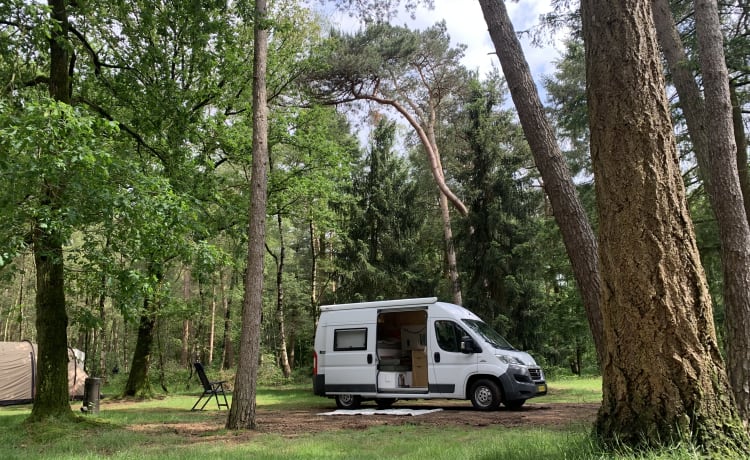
(485, 395)
(515, 404)
(348, 401)
(384, 403)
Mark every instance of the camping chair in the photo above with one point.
(210, 389)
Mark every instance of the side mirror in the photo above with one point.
(467, 345)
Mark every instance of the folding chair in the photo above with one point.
(210, 389)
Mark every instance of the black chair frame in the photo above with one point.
(210, 389)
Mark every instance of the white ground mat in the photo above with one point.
(404, 411)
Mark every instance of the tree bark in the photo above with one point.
(727, 202)
(139, 384)
(242, 411)
(663, 379)
(51, 400)
(710, 125)
(577, 234)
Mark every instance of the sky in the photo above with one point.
(466, 25)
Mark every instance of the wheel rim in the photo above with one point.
(483, 396)
(346, 400)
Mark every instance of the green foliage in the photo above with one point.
(384, 256)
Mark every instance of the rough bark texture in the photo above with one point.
(243, 410)
(663, 379)
(139, 384)
(727, 201)
(711, 128)
(51, 398)
(577, 234)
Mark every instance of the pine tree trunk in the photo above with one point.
(663, 379)
(710, 124)
(243, 410)
(577, 234)
(212, 327)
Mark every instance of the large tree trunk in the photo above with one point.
(711, 128)
(51, 398)
(727, 202)
(577, 234)
(663, 379)
(242, 411)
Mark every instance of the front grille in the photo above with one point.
(536, 373)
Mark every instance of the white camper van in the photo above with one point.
(418, 349)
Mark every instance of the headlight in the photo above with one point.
(507, 359)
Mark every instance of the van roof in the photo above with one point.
(425, 301)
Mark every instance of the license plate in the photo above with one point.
(541, 388)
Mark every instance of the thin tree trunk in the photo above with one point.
(102, 336)
(445, 214)
(212, 327)
(21, 296)
(577, 234)
(663, 379)
(227, 354)
(242, 411)
(280, 307)
(187, 288)
(314, 251)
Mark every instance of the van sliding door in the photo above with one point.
(351, 367)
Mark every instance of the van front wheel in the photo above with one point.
(485, 395)
(348, 401)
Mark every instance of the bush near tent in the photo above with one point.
(18, 373)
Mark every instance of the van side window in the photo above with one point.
(350, 339)
(449, 335)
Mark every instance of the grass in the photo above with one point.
(122, 430)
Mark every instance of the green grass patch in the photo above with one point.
(574, 390)
(155, 429)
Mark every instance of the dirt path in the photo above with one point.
(293, 423)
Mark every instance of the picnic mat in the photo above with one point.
(405, 411)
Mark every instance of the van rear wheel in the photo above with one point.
(485, 395)
(348, 401)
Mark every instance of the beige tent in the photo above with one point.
(18, 373)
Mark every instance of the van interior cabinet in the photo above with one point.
(418, 368)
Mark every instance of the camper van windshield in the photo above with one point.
(488, 334)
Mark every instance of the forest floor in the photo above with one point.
(290, 423)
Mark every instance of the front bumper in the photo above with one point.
(520, 382)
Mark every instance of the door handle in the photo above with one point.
(369, 358)
(436, 356)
